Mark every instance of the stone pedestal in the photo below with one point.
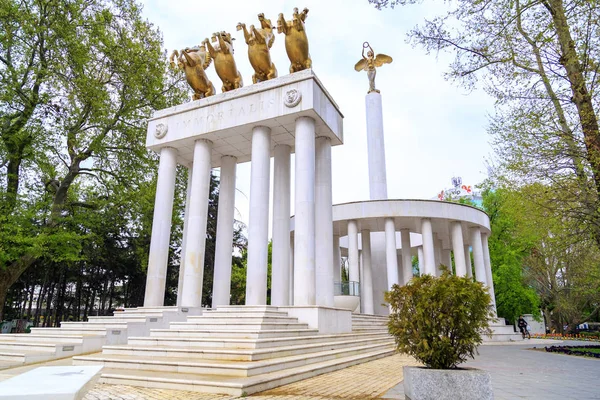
(325, 319)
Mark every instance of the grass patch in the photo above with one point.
(584, 351)
(592, 350)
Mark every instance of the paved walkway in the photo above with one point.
(517, 373)
(520, 373)
(361, 382)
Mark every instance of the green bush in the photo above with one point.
(591, 335)
(439, 321)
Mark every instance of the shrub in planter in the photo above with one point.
(440, 322)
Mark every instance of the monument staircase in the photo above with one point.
(502, 332)
(238, 350)
(73, 338)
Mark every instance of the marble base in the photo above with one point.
(325, 319)
(56, 383)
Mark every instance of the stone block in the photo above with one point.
(447, 384)
(325, 319)
(56, 383)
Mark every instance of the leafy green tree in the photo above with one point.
(79, 79)
(539, 60)
(509, 249)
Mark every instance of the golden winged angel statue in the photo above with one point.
(369, 63)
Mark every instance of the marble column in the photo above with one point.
(161, 229)
(390, 253)
(337, 259)
(280, 281)
(488, 266)
(437, 243)
(407, 270)
(324, 217)
(224, 240)
(376, 147)
(291, 275)
(400, 270)
(184, 238)
(258, 221)
(428, 248)
(366, 291)
(458, 248)
(421, 260)
(353, 268)
(196, 235)
(468, 260)
(478, 255)
(304, 235)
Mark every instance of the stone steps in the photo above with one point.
(229, 325)
(245, 343)
(239, 354)
(78, 337)
(235, 350)
(210, 318)
(222, 367)
(241, 333)
(234, 386)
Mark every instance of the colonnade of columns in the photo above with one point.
(431, 254)
(303, 269)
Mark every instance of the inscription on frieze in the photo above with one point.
(201, 119)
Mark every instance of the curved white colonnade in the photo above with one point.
(431, 230)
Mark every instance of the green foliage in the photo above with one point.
(509, 248)
(439, 321)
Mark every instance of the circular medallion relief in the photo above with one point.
(292, 98)
(161, 131)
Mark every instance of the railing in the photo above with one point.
(346, 288)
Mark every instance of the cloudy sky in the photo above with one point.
(433, 129)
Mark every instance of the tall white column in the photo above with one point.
(224, 240)
(184, 238)
(291, 275)
(337, 259)
(161, 229)
(478, 255)
(280, 281)
(458, 248)
(324, 217)
(468, 261)
(390, 253)
(421, 260)
(376, 147)
(353, 269)
(366, 286)
(437, 243)
(428, 248)
(196, 234)
(488, 267)
(407, 271)
(304, 235)
(258, 219)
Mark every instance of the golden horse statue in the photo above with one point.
(370, 63)
(193, 61)
(225, 66)
(296, 41)
(259, 43)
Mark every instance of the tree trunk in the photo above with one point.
(581, 95)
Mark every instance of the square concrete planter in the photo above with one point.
(447, 384)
